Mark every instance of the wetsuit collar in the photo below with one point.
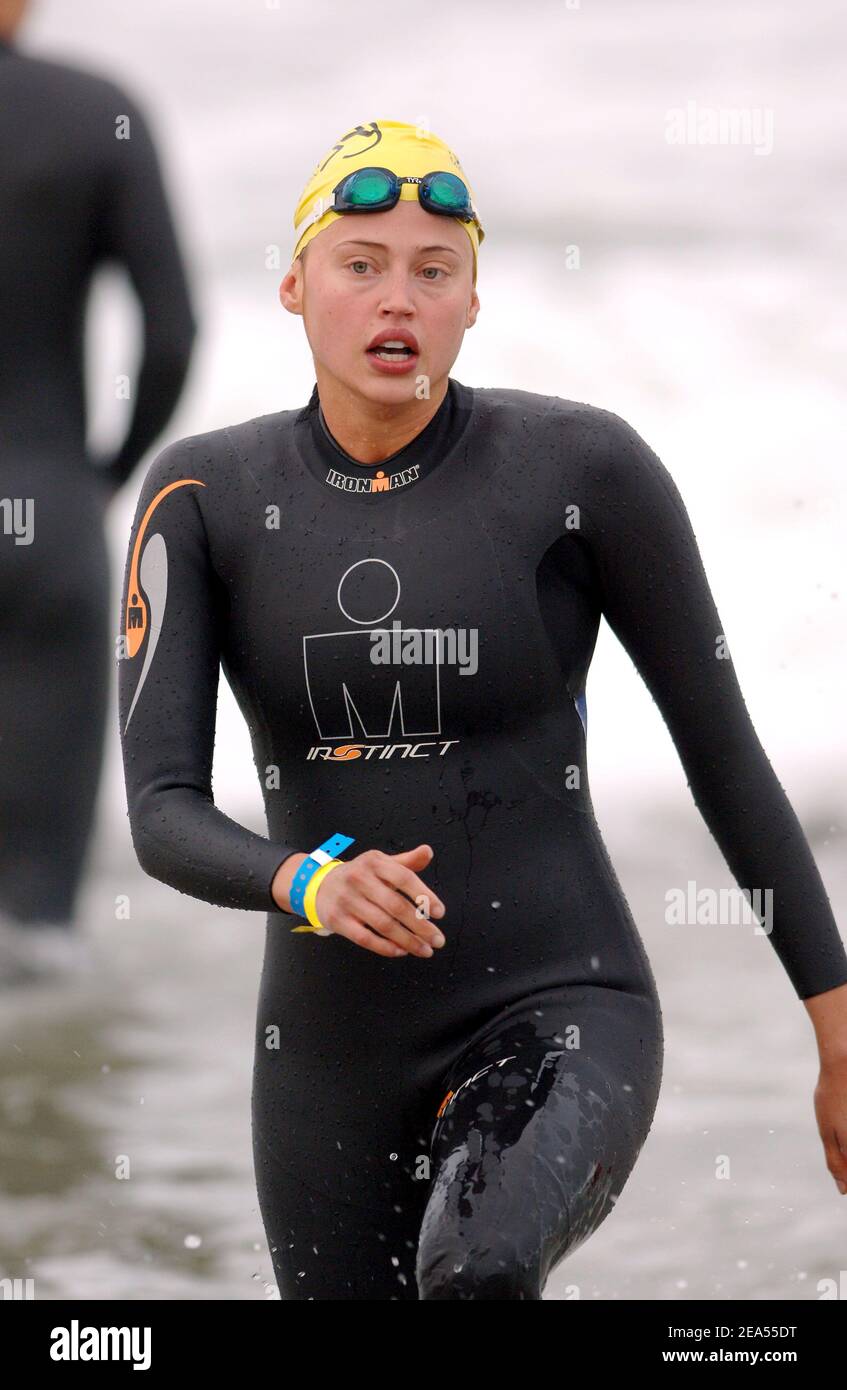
(338, 470)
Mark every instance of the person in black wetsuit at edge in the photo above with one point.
(73, 195)
(458, 1044)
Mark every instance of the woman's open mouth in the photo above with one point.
(392, 351)
(393, 354)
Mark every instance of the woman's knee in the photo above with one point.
(494, 1272)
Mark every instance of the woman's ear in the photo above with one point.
(291, 288)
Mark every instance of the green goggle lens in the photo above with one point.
(366, 187)
(447, 192)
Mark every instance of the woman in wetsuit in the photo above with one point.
(458, 1043)
(80, 186)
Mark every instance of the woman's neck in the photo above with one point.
(371, 431)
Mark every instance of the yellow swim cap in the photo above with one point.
(404, 149)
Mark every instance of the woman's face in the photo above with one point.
(370, 272)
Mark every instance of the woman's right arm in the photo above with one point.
(171, 611)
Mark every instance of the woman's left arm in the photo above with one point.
(657, 599)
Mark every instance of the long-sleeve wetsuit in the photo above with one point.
(429, 1128)
(80, 185)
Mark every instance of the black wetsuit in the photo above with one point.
(72, 196)
(447, 1127)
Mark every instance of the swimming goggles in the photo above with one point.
(375, 189)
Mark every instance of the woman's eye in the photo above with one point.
(431, 272)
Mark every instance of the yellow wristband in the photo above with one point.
(309, 900)
(311, 893)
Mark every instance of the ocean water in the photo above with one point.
(705, 309)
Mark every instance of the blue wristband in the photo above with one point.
(330, 849)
